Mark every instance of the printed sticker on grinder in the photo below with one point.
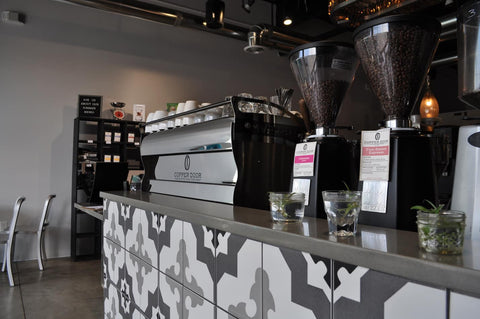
(304, 159)
(375, 155)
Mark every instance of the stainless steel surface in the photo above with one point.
(398, 123)
(393, 251)
(190, 139)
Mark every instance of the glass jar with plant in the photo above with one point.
(287, 207)
(440, 231)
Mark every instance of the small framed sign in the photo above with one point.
(89, 105)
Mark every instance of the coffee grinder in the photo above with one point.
(325, 160)
(395, 53)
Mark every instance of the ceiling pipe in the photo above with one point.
(259, 37)
(162, 14)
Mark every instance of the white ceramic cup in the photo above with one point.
(162, 126)
(187, 120)
(199, 118)
(148, 128)
(180, 109)
(171, 123)
(158, 115)
(190, 105)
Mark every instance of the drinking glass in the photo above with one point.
(342, 208)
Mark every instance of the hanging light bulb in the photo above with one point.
(429, 106)
(287, 20)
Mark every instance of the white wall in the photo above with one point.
(63, 51)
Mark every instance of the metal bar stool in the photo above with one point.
(7, 238)
(40, 231)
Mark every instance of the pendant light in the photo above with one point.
(429, 105)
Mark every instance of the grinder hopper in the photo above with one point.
(324, 72)
(396, 52)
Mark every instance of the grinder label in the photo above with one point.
(304, 159)
(375, 155)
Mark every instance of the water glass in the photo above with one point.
(287, 207)
(342, 208)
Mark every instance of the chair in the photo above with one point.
(40, 231)
(7, 239)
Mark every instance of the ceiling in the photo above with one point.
(312, 20)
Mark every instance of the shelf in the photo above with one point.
(89, 139)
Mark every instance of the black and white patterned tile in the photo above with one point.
(171, 247)
(113, 262)
(199, 260)
(111, 303)
(112, 223)
(195, 306)
(463, 306)
(142, 281)
(363, 293)
(296, 284)
(221, 314)
(239, 275)
(141, 236)
(170, 303)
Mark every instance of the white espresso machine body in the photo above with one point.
(466, 184)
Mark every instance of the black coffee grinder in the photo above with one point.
(325, 160)
(395, 53)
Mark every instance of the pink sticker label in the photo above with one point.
(303, 159)
(375, 151)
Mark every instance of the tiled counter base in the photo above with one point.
(156, 266)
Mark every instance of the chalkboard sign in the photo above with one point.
(89, 105)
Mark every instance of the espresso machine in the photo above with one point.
(395, 53)
(466, 183)
(324, 160)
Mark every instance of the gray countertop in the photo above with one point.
(387, 250)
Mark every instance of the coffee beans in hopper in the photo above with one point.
(324, 99)
(394, 61)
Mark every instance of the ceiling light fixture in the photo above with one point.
(214, 11)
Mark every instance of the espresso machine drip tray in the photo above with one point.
(235, 159)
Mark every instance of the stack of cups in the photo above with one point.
(180, 109)
(161, 126)
(171, 123)
(189, 106)
(148, 128)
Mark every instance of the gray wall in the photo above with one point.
(66, 50)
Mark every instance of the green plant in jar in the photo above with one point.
(440, 231)
(287, 206)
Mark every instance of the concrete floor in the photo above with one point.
(65, 289)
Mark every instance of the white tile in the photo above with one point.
(239, 287)
(142, 279)
(137, 239)
(171, 247)
(114, 261)
(223, 314)
(171, 301)
(137, 314)
(196, 306)
(199, 260)
(111, 303)
(277, 287)
(112, 227)
(463, 306)
(416, 301)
